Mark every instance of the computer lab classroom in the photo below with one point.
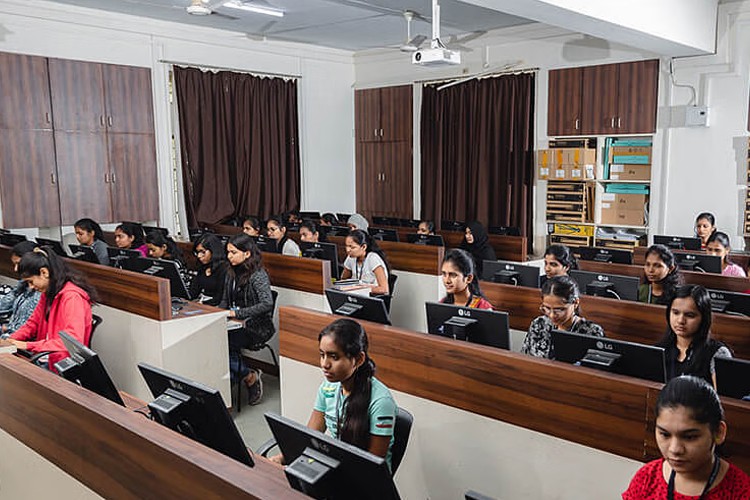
(584, 124)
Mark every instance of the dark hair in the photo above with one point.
(430, 225)
(329, 218)
(723, 240)
(694, 394)
(361, 237)
(563, 255)
(214, 245)
(280, 221)
(254, 222)
(708, 216)
(242, 273)
(291, 213)
(90, 226)
(22, 247)
(673, 278)
(313, 228)
(564, 288)
(351, 338)
(465, 264)
(134, 230)
(32, 264)
(481, 238)
(157, 238)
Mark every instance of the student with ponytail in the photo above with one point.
(461, 282)
(366, 262)
(65, 305)
(352, 405)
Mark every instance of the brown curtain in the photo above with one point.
(477, 151)
(239, 144)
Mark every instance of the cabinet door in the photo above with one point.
(24, 93)
(367, 177)
(396, 113)
(367, 115)
(84, 176)
(135, 191)
(28, 179)
(599, 99)
(77, 95)
(638, 87)
(564, 102)
(128, 98)
(396, 185)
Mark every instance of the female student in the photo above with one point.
(247, 295)
(352, 405)
(718, 244)
(89, 233)
(129, 235)
(426, 227)
(64, 305)
(357, 221)
(558, 260)
(22, 300)
(689, 348)
(251, 226)
(366, 262)
(689, 427)
(164, 247)
(308, 232)
(705, 226)
(208, 285)
(328, 219)
(662, 276)
(560, 311)
(477, 243)
(277, 231)
(460, 280)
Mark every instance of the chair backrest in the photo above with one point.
(95, 321)
(401, 431)
(275, 296)
(391, 282)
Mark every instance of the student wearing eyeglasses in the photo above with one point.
(276, 228)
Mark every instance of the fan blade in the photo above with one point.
(225, 16)
(417, 41)
(469, 36)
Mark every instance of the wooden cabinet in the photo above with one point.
(603, 100)
(383, 114)
(132, 177)
(77, 90)
(128, 99)
(24, 93)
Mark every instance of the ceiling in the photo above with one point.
(345, 24)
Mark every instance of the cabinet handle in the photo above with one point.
(381, 132)
(106, 178)
(375, 131)
(46, 116)
(52, 178)
(101, 120)
(112, 178)
(383, 176)
(578, 123)
(612, 122)
(109, 120)
(618, 122)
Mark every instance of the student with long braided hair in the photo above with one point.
(352, 405)
(461, 281)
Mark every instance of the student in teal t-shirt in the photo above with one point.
(352, 404)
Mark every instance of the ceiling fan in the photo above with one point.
(454, 42)
(206, 7)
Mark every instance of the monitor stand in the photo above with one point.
(601, 257)
(600, 360)
(718, 305)
(601, 289)
(348, 309)
(312, 474)
(458, 327)
(688, 265)
(507, 277)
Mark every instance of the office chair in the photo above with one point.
(39, 357)
(401, 432)
(392, 278)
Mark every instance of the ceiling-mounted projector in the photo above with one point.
(436, 57)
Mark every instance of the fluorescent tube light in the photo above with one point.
(256, 7)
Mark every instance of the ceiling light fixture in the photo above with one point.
(256, 6)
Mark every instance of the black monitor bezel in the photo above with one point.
(678, 242)
(730, 373)
(374, 309)
(437, 313)
(90, 372)
(709, 264)
(452, 225)
(530, 275)
(12, 239)
(330, 253)
(163, 230)
(504, 230)
(266, 244)
(434, 240)
(631, 282)
(54, 244)
(83, 253)
(383, 234)
(161, 268)
(618, 256)
(739, 303)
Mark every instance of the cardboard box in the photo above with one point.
(623, 217)
(579, 156)
(619, 172)
(642, 155)
(624, 201)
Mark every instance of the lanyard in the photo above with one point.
(359, 269)
(338, 419)
(711, 479)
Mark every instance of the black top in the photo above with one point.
(211, 287)
(698, 362)
(480, 249)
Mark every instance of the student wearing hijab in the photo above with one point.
(357, 221)
(477, 243)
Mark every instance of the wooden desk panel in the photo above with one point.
(511, 248)
(118, 453)
(422, 259)
(298, 273)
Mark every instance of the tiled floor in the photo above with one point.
(250, 421)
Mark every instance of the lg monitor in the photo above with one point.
(383, 234)
(733, 377)
(511, 273)
(118, 256)
(10, 239)
(265, 244)
(617, 356)
(358, 306)
(163, 230)
(699, 262)
(599, 254)
(678, 242)
(479, 326)
(730, 302)
(163, 269)
(453, 225)
(334, 230)
(504, 230)
(612, 286)
(426, 239)
(385, 221)
(194, 410)
(322, 251)
(326, 468)
(54, 244)
(86, 369)
(313, 216)
(84, 253)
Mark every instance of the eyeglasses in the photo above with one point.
(272, 229)
(554, 311)
(200, 253)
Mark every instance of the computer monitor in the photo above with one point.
(86, 369)
(323, 467)
(342, 218)
(383, 234)
(118, 256)
(607, 285)
(54, 244)
(733, 377)
(678, 242)
(358, 306)
(511, 273)
(265, 244)
(313, 216)
(453, 225)
(479, 326)
(409, 222)
(194, 410)
(162, 230)
(504, 230)
(10, 239)
(617, 356)
(322, 251)
(698, 261)
(163, 269)
(730, 302)
(600, 254)
(334, 230)
(385, 221)
(84, 253)
(426, 239)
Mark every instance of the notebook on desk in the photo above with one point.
(6, 346)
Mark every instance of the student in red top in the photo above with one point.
(689, 426)
(65, 305)
(461, 281)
